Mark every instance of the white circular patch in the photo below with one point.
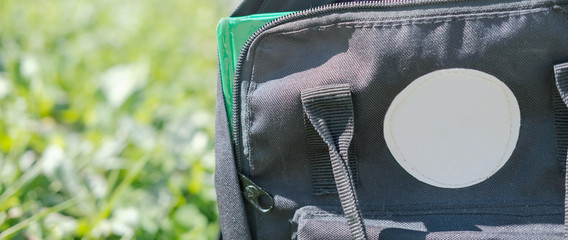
(453, 128)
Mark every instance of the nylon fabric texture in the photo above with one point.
(320, 163)
(561, 74)
(379, 52)
(330, 110)
(314, 222)
(233, 218)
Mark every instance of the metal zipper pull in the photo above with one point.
(255, 195)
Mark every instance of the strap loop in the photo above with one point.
(330, 110)
(320, 163)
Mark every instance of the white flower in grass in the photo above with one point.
(5, 86)
(60, 225)
(119, 82)
(53, 157)
(125, 221)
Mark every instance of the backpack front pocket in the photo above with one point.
(378, 53)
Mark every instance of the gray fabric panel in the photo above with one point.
(314, 223)
(379, 54)
(561, 74)
(330, 110)
(247, 7)
(229, 198)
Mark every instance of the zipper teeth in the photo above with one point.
(296, 16)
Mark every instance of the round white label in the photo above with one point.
(453, 128)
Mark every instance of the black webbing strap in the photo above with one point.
(330, 110)
(561, 73)
(561, 123)
(320, 163)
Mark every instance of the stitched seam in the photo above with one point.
(390, 215)
(252, 87)
(410, 22)
(487, 210)
(387, 214)
(441, 206)
(437, 211)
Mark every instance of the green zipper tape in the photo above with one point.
(232, 34)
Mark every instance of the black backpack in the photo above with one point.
(409, 119)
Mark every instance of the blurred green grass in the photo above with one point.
(106, 119)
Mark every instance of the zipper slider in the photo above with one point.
(255, 195)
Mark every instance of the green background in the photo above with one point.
(106, 118)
